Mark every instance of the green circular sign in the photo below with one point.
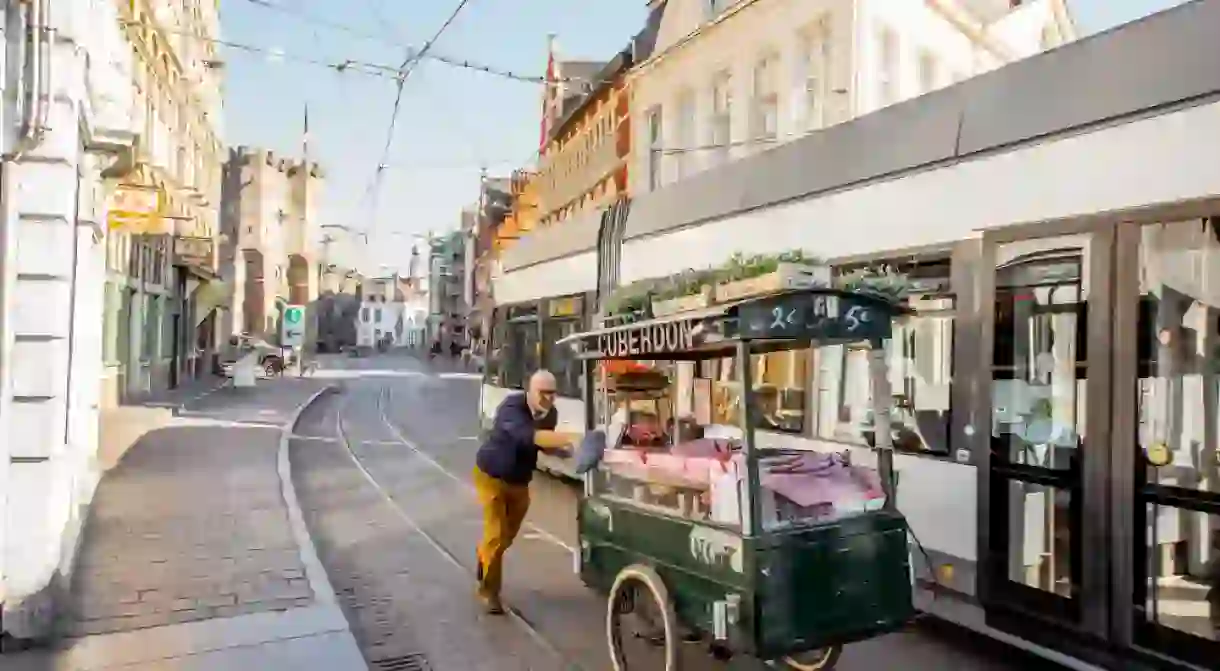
(292, 315)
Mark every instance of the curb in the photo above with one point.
(315, 573)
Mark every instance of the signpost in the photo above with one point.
(292, 326)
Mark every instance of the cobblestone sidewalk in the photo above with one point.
(190, 526)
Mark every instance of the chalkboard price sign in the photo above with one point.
(828, 315)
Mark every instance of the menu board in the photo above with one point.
(816, 315)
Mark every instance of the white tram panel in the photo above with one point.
(561, 277)
(1155, 160)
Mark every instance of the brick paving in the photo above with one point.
(409, 606)
(191, 525)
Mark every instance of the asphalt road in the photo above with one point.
(397, 527)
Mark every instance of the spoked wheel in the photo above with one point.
(640, 624)
(813, 660)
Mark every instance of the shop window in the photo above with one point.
(920, 357)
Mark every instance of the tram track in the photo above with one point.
(406, 596)
(515, 615)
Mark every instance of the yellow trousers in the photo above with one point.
(504, 508)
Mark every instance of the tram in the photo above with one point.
(1057, 386)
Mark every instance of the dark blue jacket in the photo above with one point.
(510, 453)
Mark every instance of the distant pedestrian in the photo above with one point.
(524, 424)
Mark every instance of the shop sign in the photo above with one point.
(136, 208)
(649, 339)
(193, 251)
(571, 306)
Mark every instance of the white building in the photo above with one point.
(730, 78)
(393, 309)
(65, 144)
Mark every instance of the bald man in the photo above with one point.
(524, 425)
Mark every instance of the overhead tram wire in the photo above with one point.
(408, 66)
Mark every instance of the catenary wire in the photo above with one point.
(408, 66)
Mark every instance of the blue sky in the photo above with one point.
(451, 120)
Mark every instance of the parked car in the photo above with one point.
(271, 359)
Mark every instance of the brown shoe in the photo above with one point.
(492, 605)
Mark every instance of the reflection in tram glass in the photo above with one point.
(1178, 426)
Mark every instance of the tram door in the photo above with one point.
(1043, 490)
(1100, 493)
(1169, 365)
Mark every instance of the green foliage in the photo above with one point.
(741, 267)
(882, 281)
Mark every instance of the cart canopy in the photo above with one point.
(778, 321)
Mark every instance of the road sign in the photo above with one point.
(292, 326)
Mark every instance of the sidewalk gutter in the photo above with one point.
(319, 582)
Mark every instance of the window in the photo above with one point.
(1178, 516)
(781, 382)
(150, 348)
(720, 126)
(766, 99)
(887, 67)
(654, 148)
(521, 352)
(1049, 37)
(561, 359)
(814, 84)
(928, 72)
(364, 315)
(713, 8)
(920, 358)
(685, 133)
(377, 315)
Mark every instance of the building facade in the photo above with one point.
(270, 220)
(446, 290)
(67, 144)
(159, 326)
(729, 79)
(582, 163)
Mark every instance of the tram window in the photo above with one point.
(493, 365)
(1178, 588)
(1179, 407)
(1039, 376)
(560, 359)
(920, 357)
(520, 353)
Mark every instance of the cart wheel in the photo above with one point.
(641, 627)
(823, 659)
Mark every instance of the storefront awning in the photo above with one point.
(212, 294)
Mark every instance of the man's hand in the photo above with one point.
(556, 442)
